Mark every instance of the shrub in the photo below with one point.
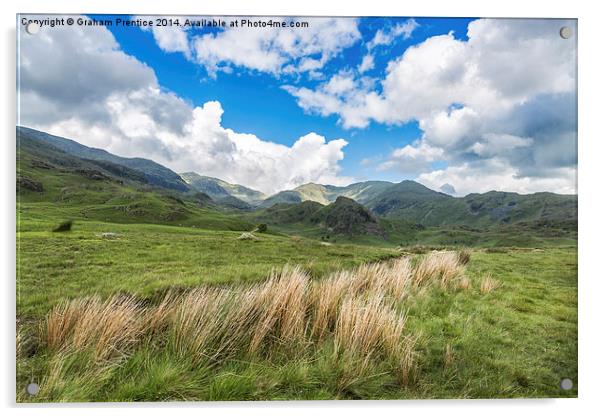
(64, 226)
(262, 228)
(464, 256)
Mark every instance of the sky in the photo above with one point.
(459, 105)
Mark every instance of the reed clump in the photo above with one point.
(358, 312)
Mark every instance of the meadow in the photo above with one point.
(131, 312)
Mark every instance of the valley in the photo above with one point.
(468, 292)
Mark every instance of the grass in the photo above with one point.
(213, 327)
(368, 332)
(402, 233)
(54, 266)
(149, 295)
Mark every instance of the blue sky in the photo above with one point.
(255, 103)
(459, 103)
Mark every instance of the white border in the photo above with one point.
(590, 177)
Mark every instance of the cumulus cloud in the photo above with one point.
(506, 94)
(169, 38)
(494, 174)
(93, 92)
(385, 37)
(412, 158)
(367, 64)
(276, 50)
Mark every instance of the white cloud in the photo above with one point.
(274, 50)
(412, 158)
(498, 175)
(493, 144)
(118, 105)
(495, 96)
(385, 37)
(169, 38)
(367, 64)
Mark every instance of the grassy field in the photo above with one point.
(504, 325)
(146, 259)
(402, 233)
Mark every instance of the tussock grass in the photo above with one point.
(197, 324)
(463, 256)
(463, 283)
(108, 327)
(441, 267)
(368, 326)
(354, 317)
(448, 356)
(489, 284)
(325, 297)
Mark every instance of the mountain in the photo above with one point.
(65, 186)
(154, 173)
(218, 189)
(404, 195)
(344, 216)
(407, 201)
(325, 194)
(414, 202)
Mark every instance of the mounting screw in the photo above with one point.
(566, 384)
(566, 32)
(32, 28)
(33, 389)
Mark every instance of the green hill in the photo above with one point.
(325, 194)
(416, 203)
(343, 217)
(53, 184)
(219, 189)
(153, 172)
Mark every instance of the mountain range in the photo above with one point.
(357, 208)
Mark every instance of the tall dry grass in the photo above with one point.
(197, 323)
(438, 267)
(107, 327)
(368, 326)
(326, 296)
(355, 310)
(489, 284)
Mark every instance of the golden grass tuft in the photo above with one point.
(281, 306)
(325, 297)
(197, 323)
(442, 267)
(448, 356)
(354, 310)
(399, 277)
(489, 284)
(368, 326)
(463, 283)
(108, 327)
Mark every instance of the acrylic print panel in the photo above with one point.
(283, 208)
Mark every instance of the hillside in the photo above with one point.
(52, 182)
(325, 194)
(414, 202)
(154, 173)
(219, 189)
(407, 203)
(344, 217)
